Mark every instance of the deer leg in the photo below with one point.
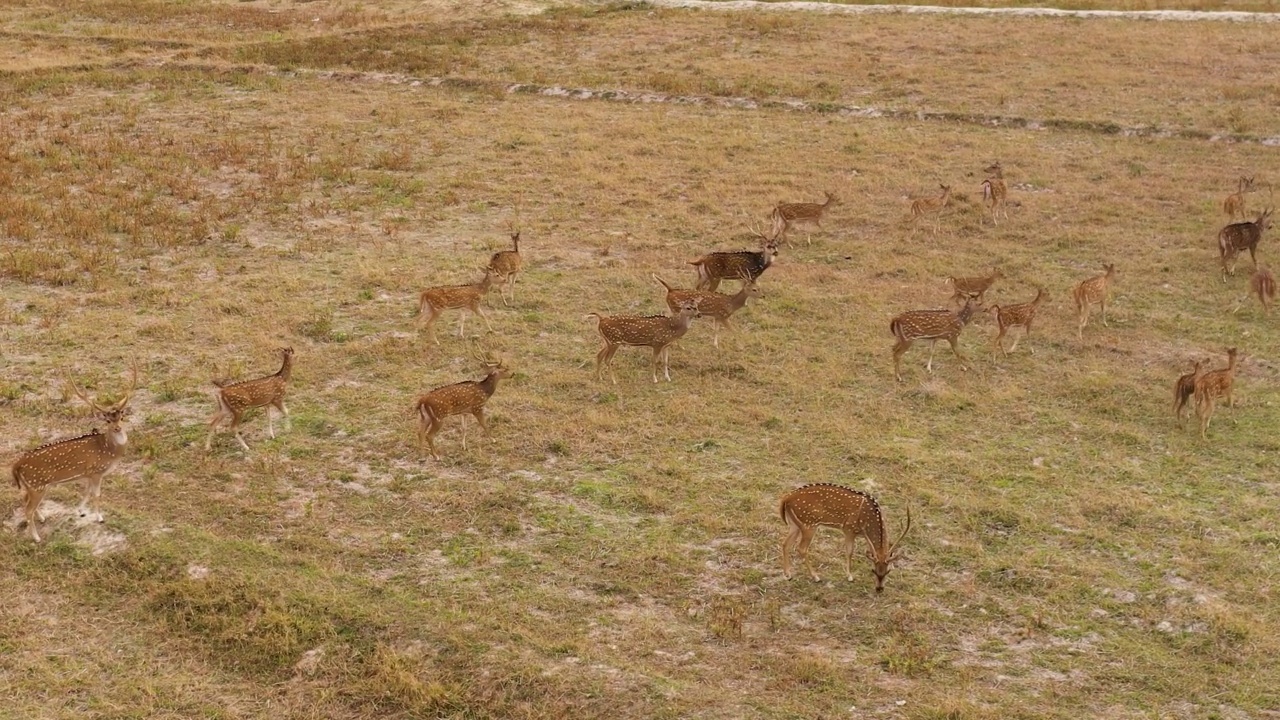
(1103, 302)
(462, 322)
(898, 349)
(433, 427)
(235, 430)
(1000, 341)
(1253, 257)
(271, 428)
(479, 415)
(802, 549)
(789, 540)
(213, 428)
(89, 500)
(483, 316)
(605, 358)
(929, 365)
(431, 324)
(955, 348)
(1084, 320)
(849, 540)
(32, 511)
(284, 410)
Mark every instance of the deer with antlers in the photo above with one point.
(717, 266)
(1263, 284)
(1093, 292)
(265, 392)
(506, 264)
(435, 300)
(86, 458)
(1241, 236)
(658, 332)
(787, 214)
(717, 306)
(1215, 384)
(468, 396)
(1009, 316)
(972, 287)
(1234, 204)
(923, 207)
(1183, 390)
(931, 325)
(995, 193)
(853, 512)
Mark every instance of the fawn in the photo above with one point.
(1234, 204)
(930, 206)
(973, 287)
(717, 306)
(717, 266)
(855, 513)
(1263, 284)
(1215, 384)
(1183, 390)
(931, 325)
(1008, 316)
(995, 193)
(456, 297)
(787, 214)
(1091, 291)
(505, 264)
(1241, 236)
(235, 398)
(464, 397)
(654, 331)
(86, 458)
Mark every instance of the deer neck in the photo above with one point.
(483, 285)
(489, 384)
(286, 368)
(965, 313)
(739, 298)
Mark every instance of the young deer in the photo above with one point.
(654, 331)
(1091, 291)
(86, 458)
(973, 287)
(853, 512)
(505, 264)
(464, 397)
(1213, 385)
(1008, 316)
(1241, 236)
(235, 398)
(1234, 204)
(787, 214)
(1183, 389)
(995, 193)
(1263, 284)
(930, 206)
(931, 325)
(456, 297)
(717, 306)
(717, 266)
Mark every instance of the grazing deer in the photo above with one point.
(654, 331)
(505, 264)
(930, 206)
(855, 513)
(1263, 284)
(1241, 236)
(464, 397)
(995, 193)
(235, 398)
(86, 458)
(1213, 385)
(717, 306)
(1183, 389)
(1008, 316)
(1091, 291)
(931, 325)
(973, 287)
(717, 266)
(1234, 204)
(787, 214)
(456, 297)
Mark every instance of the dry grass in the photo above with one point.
(613, 551)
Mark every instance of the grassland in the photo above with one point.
(193, 186)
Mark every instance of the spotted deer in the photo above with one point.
(1010, 316)
(853, 512)
(468, 396)
(658, 332)
(787, 214)
(995, 194)
(264, 392)
(434, 301)
(717, 306)
(1263, 284)
(1090, 292)
(931, 325)
(973, 287)
(1241, 236)
(1233, 205)
(1213, 385)
(934, 206)
(1183, 390)
(86, 458)
(717, 266)
(506, 264)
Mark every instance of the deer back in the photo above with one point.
(64, 460)
(253, 393)
(507, 262)
(462, 397)
(649, 330)
(1217, 382)
(730, 265)
(834, 506)
(932, 324)
(1095, 288)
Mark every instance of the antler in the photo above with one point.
(482, 353)
(893, 549)
(133, 384)
(755, 230)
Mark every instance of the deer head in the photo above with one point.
(883, 555)
(112, 415)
